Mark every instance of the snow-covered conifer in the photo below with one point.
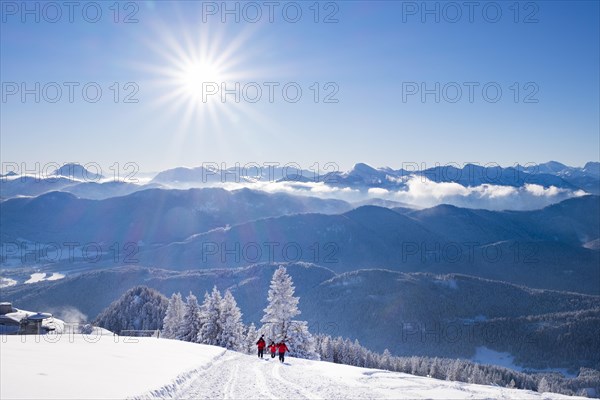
(301, 342)
(174, 316)
(251, 338)
(231, 335)
(211, 319)
(282, 308)
(188, 331)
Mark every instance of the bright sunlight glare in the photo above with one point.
(186, 58)
(196, 73)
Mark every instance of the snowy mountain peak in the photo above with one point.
(362, 168)
(78, 172)
(592, 168)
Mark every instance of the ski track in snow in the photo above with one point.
(234, 375)
(238, 376)
(183, 382)
(231, 377)
(262, 385)
(275, 373)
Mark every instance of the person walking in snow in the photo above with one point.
(261, 346)
(273, 349)
(282, 348)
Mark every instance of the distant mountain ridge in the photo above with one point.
(76, 179)
(150, 216)
(546, 175)
(551, 248)
(542, 248)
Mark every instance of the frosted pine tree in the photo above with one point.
(301, 343)
(338, 347)
(370, 361)
(360, 354)
(348, 355)
(454, 370)
(283, 306)
(173, 317)
(326, 349)
(251, 338)
(232, 329)
(211, 321)
(543, 386)
(278, 319)
(385, 361)
(191, 325)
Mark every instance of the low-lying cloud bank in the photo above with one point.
(421, 192)
(528, 197)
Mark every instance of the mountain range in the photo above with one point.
(550, 248)
(76, 179)
(151, 216)
(553, 248)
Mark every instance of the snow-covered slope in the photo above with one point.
(94, 366)
(78, 366)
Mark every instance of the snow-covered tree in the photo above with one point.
(543, 386)
(326, 349)
(338, 344)
(278, 319)
(360, 354)
(174, 316)
(211, 319)
(231, 335)
(348, 353)
(370, 361)
(282, 308)
(435, 369)
(385, 359)
(454, 371)
(301, 343)
(191, 325)
(251, 338)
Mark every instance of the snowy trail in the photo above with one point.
(148, 368)
(262, 384)
(239, 376)
(233, 376)
(303, 393)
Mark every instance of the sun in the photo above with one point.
(180, 58)
(194, 77)
(195, 74)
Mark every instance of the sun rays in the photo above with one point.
(190, 61)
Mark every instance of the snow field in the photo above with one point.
(109, 367)
(93, 366)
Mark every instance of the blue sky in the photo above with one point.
(372, 56)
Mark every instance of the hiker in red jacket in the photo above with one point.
(273, 349)
(261, 346)
(282, 348)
